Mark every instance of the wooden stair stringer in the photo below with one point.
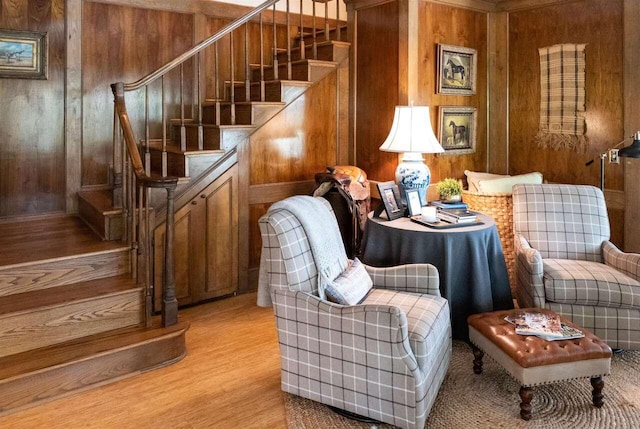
(49, 373)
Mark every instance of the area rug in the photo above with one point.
(491, 400)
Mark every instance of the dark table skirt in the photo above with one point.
(473, 273)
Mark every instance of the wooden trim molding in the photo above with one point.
(269, 193)
(517, 5)
(73, 104)
(211, 8)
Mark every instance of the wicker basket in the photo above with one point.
(500, 208)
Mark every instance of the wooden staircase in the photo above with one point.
(225, 123)
(71, 315)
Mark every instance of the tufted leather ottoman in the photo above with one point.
(533, 361)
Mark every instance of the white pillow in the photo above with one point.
(350, 287)
(504, 185)
(473, 177)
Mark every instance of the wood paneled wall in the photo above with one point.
(459, 27)
(381, 71)
(376, 67)
(599, 24)
(32, 157)
(122, 43)
(287, 152)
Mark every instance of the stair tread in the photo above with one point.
(281, 81)
(156, 144)
(212, 102)
(22, 302)
(101, 200)
(82, 348)
(191, 123)
(34, 241)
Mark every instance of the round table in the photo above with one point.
(473, 273)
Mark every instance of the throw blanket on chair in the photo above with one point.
(323, 234)
(562, 97)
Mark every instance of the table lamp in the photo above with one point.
(411, 134)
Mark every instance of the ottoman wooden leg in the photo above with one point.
(598, 396)
(477, 359)
(526, 395)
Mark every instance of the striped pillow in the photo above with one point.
(350, 287)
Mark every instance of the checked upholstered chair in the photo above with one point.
(384, 358)
(566, 263)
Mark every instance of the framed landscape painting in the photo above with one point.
(457, 131)
(456, 70)
(23, 54)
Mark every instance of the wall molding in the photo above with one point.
(272, 192)
(73, 104)
(517, 5)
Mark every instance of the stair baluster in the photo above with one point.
(145, 195)
(300, 31)
(183, 129)
(338, 20)
(165, 165)
(233, 81)
(275, 45)
(262, 86)
(216, 78)
(289, 71)
(126, 215)
(199, 101)
(326, 21)
(247, 68)
(134, 222)
(147, 154)
(314, 52)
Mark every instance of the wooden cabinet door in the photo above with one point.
(221, 236)
(188, 253)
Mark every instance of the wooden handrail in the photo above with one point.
(199, 47)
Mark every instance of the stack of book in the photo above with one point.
(457, 216)
(449, 206)
(542, 325)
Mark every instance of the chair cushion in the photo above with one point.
(350, 287)
(473, 177)
(589, 283)
(427, 319)
(504, 184)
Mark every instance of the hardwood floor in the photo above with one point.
(229, 379)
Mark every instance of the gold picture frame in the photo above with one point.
(457, 129)
(23, 54)
(456, 70)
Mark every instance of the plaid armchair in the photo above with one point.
(384, 358)
(565, 262)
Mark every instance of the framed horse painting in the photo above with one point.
(456, 70)
(457, 130)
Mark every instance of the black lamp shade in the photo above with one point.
(632, 151)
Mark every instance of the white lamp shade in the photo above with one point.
(411, 132)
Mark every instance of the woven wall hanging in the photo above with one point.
(562, 97)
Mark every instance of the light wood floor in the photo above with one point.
(229, 379)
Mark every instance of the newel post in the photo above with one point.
(169, 301)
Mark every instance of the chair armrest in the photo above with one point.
(416, 278)
(628, 263)
(529, 271)
(308, 324)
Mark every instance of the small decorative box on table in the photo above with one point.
(533, 361)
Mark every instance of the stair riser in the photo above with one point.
(100, 369)
(175, 163)
(46, 275)
(108, 227)
(275, 91)
(211, 137)
(25, 331)
(298, 72)
(325, 53)
(243, 114)
(320, 37)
